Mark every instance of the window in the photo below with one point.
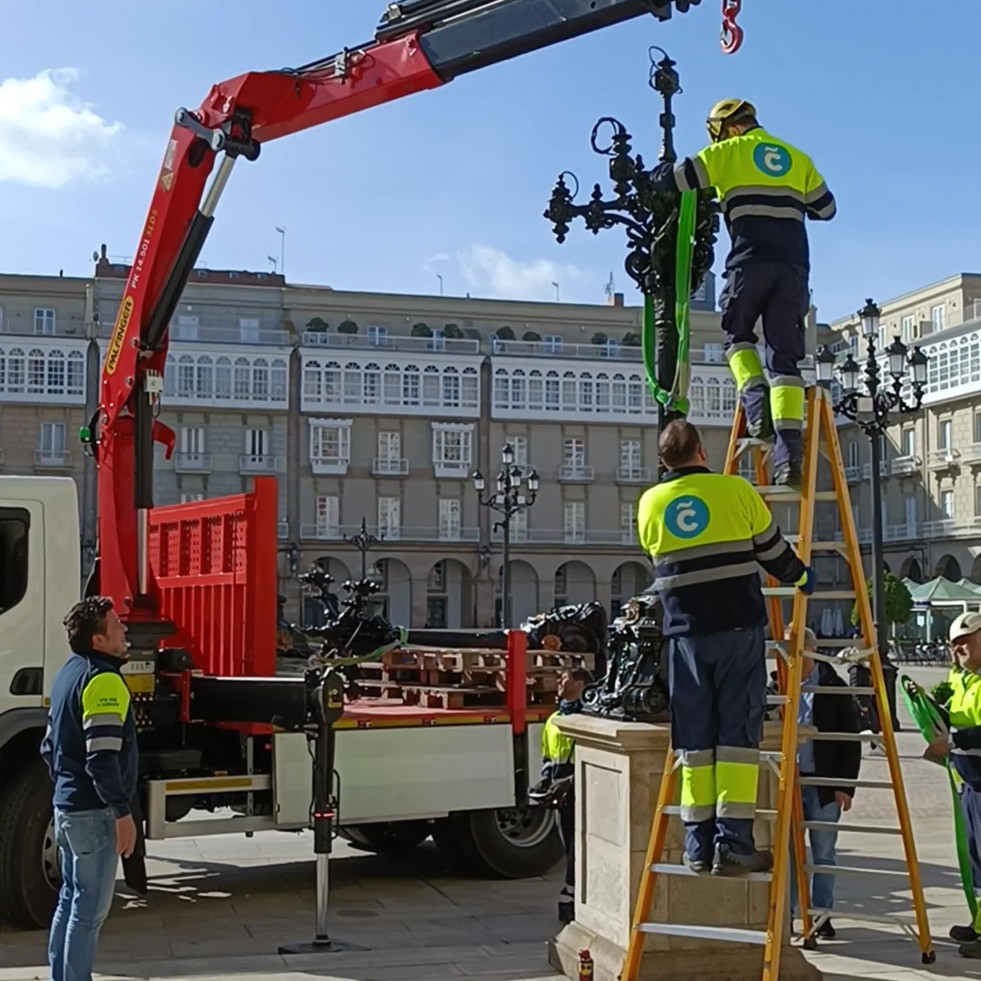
(76, 373)
(192, 445)
(630, 463)
(714, 353)
(977, 427)
(248, 330)
(947, 503)
(44, 320)
(52, 446)
(389, 453)
(389, 518)
(452, 449)
(376, 336)
(256, 442)
(187, 328)
(747, 467)
(330, 446)
(574, 452)
(853, 452)
(574, 521)
(188, 498)
(612, 347)
(520, 446)
(14, 537)
(553, 344)
(437, 342)
(944, 428)
(977, 499)
(909, 442)
(328, 516)
(519, 526)
(909, 334)
(910, 514)
(938, 316)
(449, 519)
(628, 523)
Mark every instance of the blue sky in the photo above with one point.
(454, 181)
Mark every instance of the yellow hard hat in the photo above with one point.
(724, 111)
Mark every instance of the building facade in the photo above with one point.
(931, 469)
(377, 408)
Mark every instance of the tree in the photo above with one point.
(631, 340)
(899, 602)
(318, 325)
(421, 330)
(504, 333)
(452, 331)
(531, 335)
(599, 338)
(347, 327)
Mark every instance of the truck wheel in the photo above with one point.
(395, 838)
(30, 873)
(508, 843)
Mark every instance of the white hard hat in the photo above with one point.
(965, 625)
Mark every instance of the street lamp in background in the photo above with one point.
(363, 542)
(871, 409)
(508, 500)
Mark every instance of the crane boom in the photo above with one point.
(419, 45)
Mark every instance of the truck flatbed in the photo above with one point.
(390, 713)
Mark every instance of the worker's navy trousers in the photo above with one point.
(718, 701)
(776, 293)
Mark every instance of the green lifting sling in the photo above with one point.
(676, 397)
(929, 720)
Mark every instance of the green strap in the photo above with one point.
(677, 397)
(926, 715)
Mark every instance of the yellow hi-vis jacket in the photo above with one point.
(707, 534)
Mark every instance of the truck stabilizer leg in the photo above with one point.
(327, 706)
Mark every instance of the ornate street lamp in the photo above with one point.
(508, 500)
(871, 409)
(363, 542)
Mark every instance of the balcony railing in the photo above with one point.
(575, 473)
(883, 469)
(327, 532)
(366, 342)
(905, 465)
(633, 475)
(192, 462)
(950, 528)
(942, 459)
(260, 463)
(53, 459)
(452, 468)
(211, 333)
(283, 530)
(383, 466)
(330, 464)
(853, 473)
(971, 453)
(577, 352)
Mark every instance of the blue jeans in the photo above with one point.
(822, 850)
(87, 845)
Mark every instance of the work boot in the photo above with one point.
(696, 865)
(789, 474)
(826, 931)
(963, 934)
(971, 950)
(731, 863)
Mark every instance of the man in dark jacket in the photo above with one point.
(90, 749)
(825, 758)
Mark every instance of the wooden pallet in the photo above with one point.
(433, 696)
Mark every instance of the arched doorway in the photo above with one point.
(628, 580)
(524, 594)
(910, 569)
(394, 600)
(449, 595)
(976, 569)
(949, 568)
(313, 609)
(574, 583)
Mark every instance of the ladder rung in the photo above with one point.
(836, 689)
(835, 782)
(839, 661)
(851, 870)
(859, 829)
(778, 491)
(818, 594)
(777, 699)
(844, 914)
(666, 868)
(829, 545)
(849, 737)
(723, 934)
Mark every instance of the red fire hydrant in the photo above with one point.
(585, 966)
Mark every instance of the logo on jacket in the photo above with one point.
(772, 159)
(686, 517)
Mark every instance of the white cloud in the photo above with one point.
(49, 137)
(493, 273)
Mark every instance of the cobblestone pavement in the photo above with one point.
(221, 906)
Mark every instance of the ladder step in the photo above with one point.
(666, 868)
(818, 594)
(851, 870)
(835, 782)
(850, 737)
(778, 492)
(777, 699)
(723, 934)
(840, 661)
(859, 829)
(830, 545)
(844, 914)
(836, 689)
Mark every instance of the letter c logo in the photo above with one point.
(686, 517)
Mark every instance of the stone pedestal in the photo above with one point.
(618, 775)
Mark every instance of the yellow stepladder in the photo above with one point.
(820, 440)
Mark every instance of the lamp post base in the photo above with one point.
(320, 946)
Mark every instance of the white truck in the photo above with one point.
(404, 773)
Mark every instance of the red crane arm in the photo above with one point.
(421, 45)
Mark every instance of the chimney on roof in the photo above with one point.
(618, 299)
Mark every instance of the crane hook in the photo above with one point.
(732, 33)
